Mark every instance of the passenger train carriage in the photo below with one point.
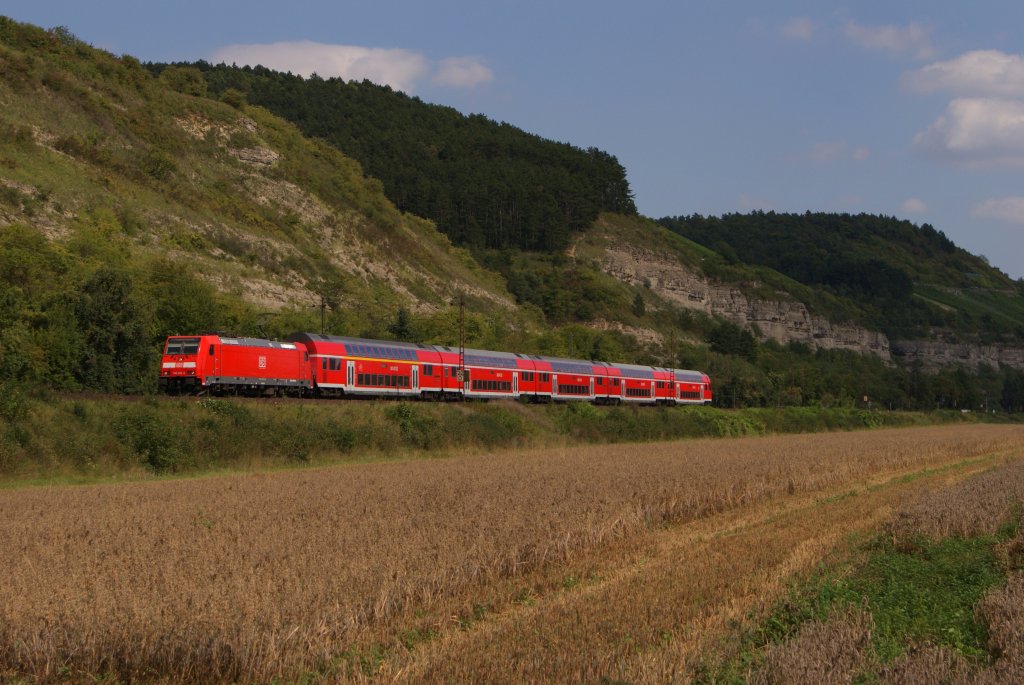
(338, 366)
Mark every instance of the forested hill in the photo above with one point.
(904, 277)
(483, 183)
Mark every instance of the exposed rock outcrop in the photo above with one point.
(784, 320)
(934, 354)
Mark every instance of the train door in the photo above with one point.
(591, 387)
(554, 385)
(415, 378)
(351, 375)
(515, 384)
(213, 359)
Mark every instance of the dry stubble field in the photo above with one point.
(620, 562)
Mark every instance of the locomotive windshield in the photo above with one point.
(182, 346)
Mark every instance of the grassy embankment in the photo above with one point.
(89, 438)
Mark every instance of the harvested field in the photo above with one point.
(940, 527)
(501, 567)
(976, 506)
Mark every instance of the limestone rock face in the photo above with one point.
(934, 354)
(783, 320)
(786, 320)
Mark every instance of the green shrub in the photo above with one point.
(14, 406)
(151, 435)
(417, 427)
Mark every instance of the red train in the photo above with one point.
(332, 366)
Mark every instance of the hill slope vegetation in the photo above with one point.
(485, 184)
(132, 210)
(903, 279)
(137, 203)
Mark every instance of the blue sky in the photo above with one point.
(909, 109)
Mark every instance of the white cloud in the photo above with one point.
(462, 72)
(914, 39)
(986, 73)
(977, 133)
(914, 205)
(1010, 209)
(799, 28)
(861, 153)
(400, 69)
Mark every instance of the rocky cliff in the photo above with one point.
(784, 320)
(934, 354)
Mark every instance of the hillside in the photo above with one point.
(131, 210)
(484, 183)
(133, 206)
(906, 280)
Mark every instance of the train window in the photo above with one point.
(323, 363)
(492, 386)
(211, 349)
(182, 346)
(428, 370)
(335, 365)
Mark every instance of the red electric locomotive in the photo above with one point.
(215, 364)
